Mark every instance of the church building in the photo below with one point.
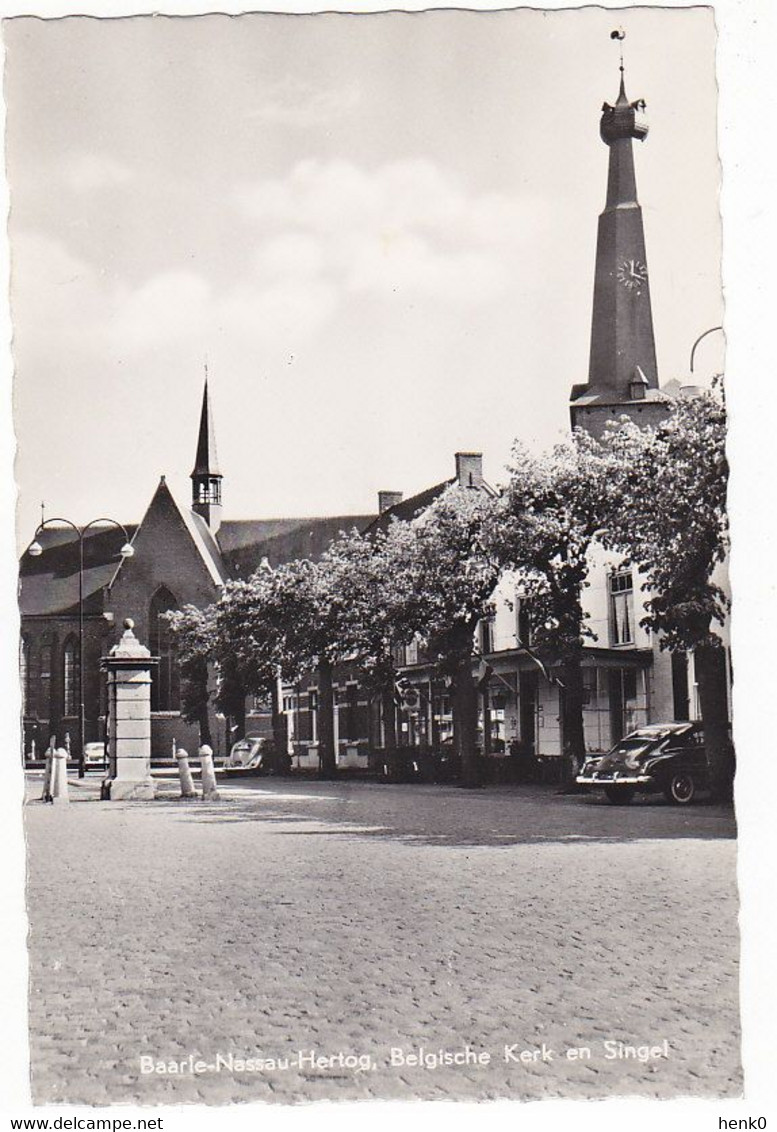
(184, 555)
(180, 556)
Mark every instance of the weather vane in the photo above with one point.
(620, 35)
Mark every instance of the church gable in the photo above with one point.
(170, 555)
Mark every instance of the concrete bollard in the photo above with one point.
(59, 791)
(209, 789)
(185, 774)
(47, 773)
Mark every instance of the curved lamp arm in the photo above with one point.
(712, 330)
(35, 549)
(127, 550)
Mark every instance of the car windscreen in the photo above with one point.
(635, 745)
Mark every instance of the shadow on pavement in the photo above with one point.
(449, 816)
(434, 815)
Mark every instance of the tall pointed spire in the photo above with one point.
(206, 462)
(206, 477)
(622, 341)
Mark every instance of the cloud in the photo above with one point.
(170, 307)
(89, 172)
(327, 237)
(406, 226)
(56, 298)
(85, 312)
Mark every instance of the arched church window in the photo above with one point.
(30, 659)
(165, 682)
(24, 673)
(70, 677)
(44, 681)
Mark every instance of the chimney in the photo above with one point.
(469, 469)
(388, 499)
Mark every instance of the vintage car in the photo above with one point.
(666, 758)
(252, 755)
(94, 754)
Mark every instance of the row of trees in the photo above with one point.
(654, 496)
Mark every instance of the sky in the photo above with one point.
(378, 231)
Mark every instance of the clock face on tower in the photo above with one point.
(632, 273)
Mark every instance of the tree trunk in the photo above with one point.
(710, 664)
(239, 719)
(326, 722)
(389, 712)
(485, 697)
(279, 732)
(465, 721)
(572, 731)
(203, 721)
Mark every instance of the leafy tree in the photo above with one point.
(369, 575)
(451, 571)
(286, 622)
(251, 637)
(193, 629)
(550, 513)
(670, 519)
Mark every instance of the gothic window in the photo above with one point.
(165, 690)
(70, 677)
(24, 674)
(622, 608)
(44, 681)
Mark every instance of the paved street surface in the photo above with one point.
(300, 924)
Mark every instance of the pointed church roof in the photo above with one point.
(196, 528)
(207, 461)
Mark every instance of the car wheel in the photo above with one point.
(619, 795)
(681, 788)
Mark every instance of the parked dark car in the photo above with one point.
(666, 758)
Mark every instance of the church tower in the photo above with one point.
(206, 477)
(622, 373)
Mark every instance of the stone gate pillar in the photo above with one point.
(128, 666)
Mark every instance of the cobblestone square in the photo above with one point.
(278, 946)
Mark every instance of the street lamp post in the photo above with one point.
(35, 550)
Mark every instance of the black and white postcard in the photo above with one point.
(379, 640)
